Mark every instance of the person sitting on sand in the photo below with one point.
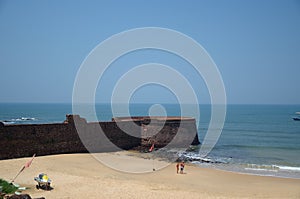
(181, 167)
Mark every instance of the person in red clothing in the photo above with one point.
(177, 167)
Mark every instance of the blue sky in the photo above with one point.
(255, 44)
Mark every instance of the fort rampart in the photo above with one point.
(24, 140)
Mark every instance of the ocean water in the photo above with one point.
(259, 139)
(256, 139)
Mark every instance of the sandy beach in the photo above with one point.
(82, 176)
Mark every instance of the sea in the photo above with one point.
(256, 139)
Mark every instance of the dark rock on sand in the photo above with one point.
(22, 196)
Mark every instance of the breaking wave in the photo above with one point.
(19, 120)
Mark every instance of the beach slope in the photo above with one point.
(82, 176)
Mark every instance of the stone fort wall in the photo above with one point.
(46, 139)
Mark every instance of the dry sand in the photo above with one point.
(82, 176)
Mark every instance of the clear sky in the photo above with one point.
(255, 44)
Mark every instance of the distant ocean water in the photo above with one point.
(256, 139)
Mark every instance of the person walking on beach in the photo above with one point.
(177, 167)
(181, 167)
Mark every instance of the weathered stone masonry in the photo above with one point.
(45, 139)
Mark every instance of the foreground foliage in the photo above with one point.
(7, 188)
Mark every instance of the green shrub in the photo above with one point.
(7, 188)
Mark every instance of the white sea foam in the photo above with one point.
(7, 121)
(19, 120)
(260, 169)
(288, 168)
(262, 166)
(271, 168)
(24, 119)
